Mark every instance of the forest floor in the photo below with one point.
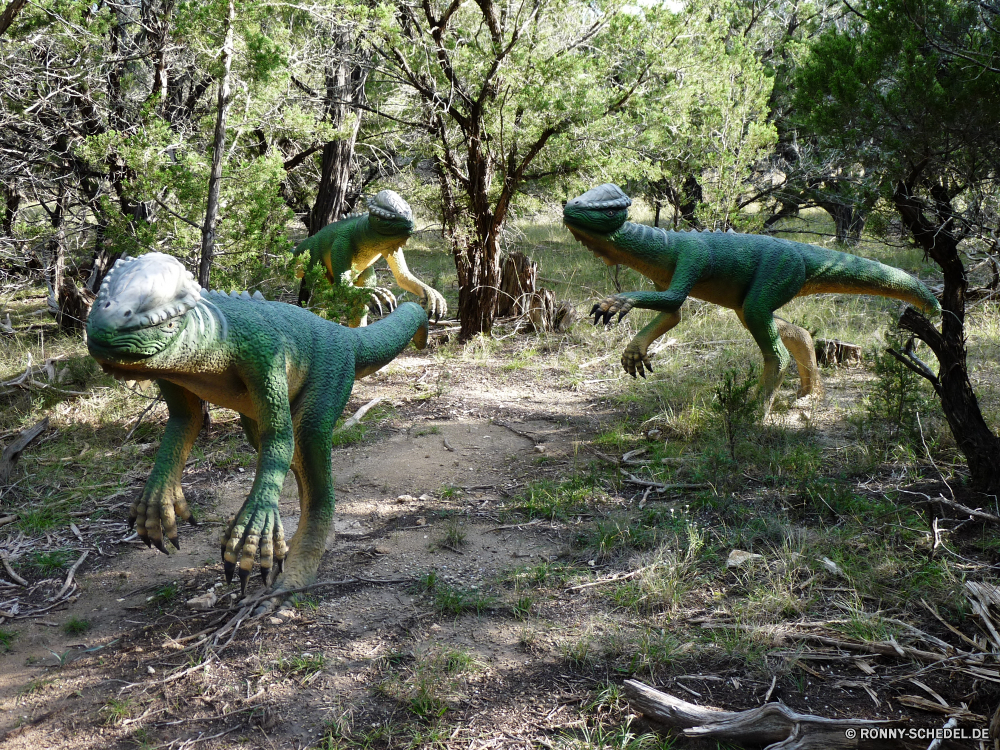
(500, 562)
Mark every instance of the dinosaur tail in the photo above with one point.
(829, 271)
(377, 345)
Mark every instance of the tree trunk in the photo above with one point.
(10, 13)
(848, 220)
(958, 400)
(12, 201)
(478, 266)
(218, 149)
(345, 90)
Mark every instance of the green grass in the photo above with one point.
(7, 638)
(164, 595)
(49, 563)
(116, 710)
(303, 664)
(76, 626)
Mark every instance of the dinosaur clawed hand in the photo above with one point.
(383, 297)
(635, 360)
(608, 307)
(155, 515)
(434, 304)
(249, 530)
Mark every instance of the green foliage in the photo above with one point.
(342, 303)
(303, 664)
(49, 563)
(738, 403)
(897, 396)
(76, 626)
(6, 639)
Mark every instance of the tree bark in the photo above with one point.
(12, 202)
(345, 90)
(958, 399)
(218, 150)
(10, 13)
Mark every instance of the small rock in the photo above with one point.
(382, 549)
(276, 621)
(205, 601)
(421, 521)
(831, 566)
(654, 434)
(425, 497)
(435, 626)
(286, 614)
(406, 499)
(150, 670)
(740, 558)
(539, 449)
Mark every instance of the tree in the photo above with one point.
(921, 121)
(508, 91)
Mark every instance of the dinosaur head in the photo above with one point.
(600, 210)
(142, 309)
(389, 214)
(596, 215)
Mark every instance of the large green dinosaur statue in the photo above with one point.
(286, 371)
(752, 274)
(349, 248)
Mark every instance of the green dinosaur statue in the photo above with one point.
(286, 371)
(751, 274)
(349, 248)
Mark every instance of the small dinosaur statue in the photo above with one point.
(349, 248)
(751, 274)
(286, 371)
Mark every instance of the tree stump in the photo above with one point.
(518, 278)
(74, 306)
(833, 353)
(519, 297)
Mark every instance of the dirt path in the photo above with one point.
(480, 639)
(451, 452)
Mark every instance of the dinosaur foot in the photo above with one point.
(635, 360)
(382, 296)
(606, 309)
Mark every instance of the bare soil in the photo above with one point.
(427, 492)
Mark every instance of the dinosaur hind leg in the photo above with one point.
(800, 344)
(764, 329)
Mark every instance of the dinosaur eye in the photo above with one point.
(611, 211)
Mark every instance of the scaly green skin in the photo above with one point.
(753, 275)
(286, 371)
(348, 249)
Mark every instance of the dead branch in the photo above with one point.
(359, 415)
(13, 451)
(663, 487)
(69, 577)
(10, 571)
(980, 514)
(773, 724)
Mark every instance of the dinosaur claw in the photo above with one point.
(193, 521)
(643, 373)
(228, 569)
(595, 308)
(146, 540)
(175, 541)
(279, 566)
(264, 574)
(158, 543)
(244, 577)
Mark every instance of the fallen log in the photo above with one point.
(13, 451)
(773, 725)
